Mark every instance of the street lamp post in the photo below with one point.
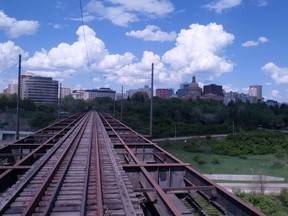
(252, 179)
(175, 131)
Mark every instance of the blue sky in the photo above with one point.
(234, 43)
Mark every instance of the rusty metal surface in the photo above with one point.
(78, 176)
(169, 186)
(95, 165)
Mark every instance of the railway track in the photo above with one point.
(95, 165)
(74, 179)
(166, 185)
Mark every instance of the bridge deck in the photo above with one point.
(92, 164)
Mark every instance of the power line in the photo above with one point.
(85, 41)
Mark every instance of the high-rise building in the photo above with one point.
(170, 92)
(65, 91)
(182, 92)
(162, 93)
(213, 92)
(12, 88)
(255, 93)
(213, 89)
(39, 89)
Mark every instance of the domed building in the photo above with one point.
(194, 91)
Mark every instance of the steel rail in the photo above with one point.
(225, 199)
(167, 202)
(37, 197)
(7, 201)
(98, 169)
(125, 198)
(4, 176)
(88, 165)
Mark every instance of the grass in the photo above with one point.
(258, 164)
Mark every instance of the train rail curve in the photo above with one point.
(92, 164)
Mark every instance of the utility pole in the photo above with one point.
(114, 105)
(151, 102)
(59, 100)
(121, 103)
(18, 99)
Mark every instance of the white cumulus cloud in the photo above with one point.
(255, 43)
(153, 33)
(122, 12)
(278, 74)
(199, 48)
(15, 28)
(69, 57)
(221, 5)
(9, 55)
(87, 54)
(275, 94)
(140, 72)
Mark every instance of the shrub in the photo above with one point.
(284, 196)
(277, 165)
(243, 156)
(199, 159)
(266, 203)
(215, 160)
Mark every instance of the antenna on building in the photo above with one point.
(18, 99)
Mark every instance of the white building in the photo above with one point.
(255, 93)
(65, 91)
(130, 92)
(78, 94)
(94, 93)
(39, 89)
(12, 88)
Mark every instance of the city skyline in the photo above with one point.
(233, 43)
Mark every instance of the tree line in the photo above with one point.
(171, 116)
(187, 117)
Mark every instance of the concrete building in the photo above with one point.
(78, 94)
(94, 93)
(231, 97)
(97, 93)
(11, 89)
(42, 90)
(183, 91)
(213, 89)
(170, 92)
(65, 91)
(130, 92)
(213, 92)
(255, 94)
(162, 93)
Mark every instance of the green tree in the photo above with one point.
(284, 196)
(140, 97)
(27, 105)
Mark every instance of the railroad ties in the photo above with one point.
(92, 164)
